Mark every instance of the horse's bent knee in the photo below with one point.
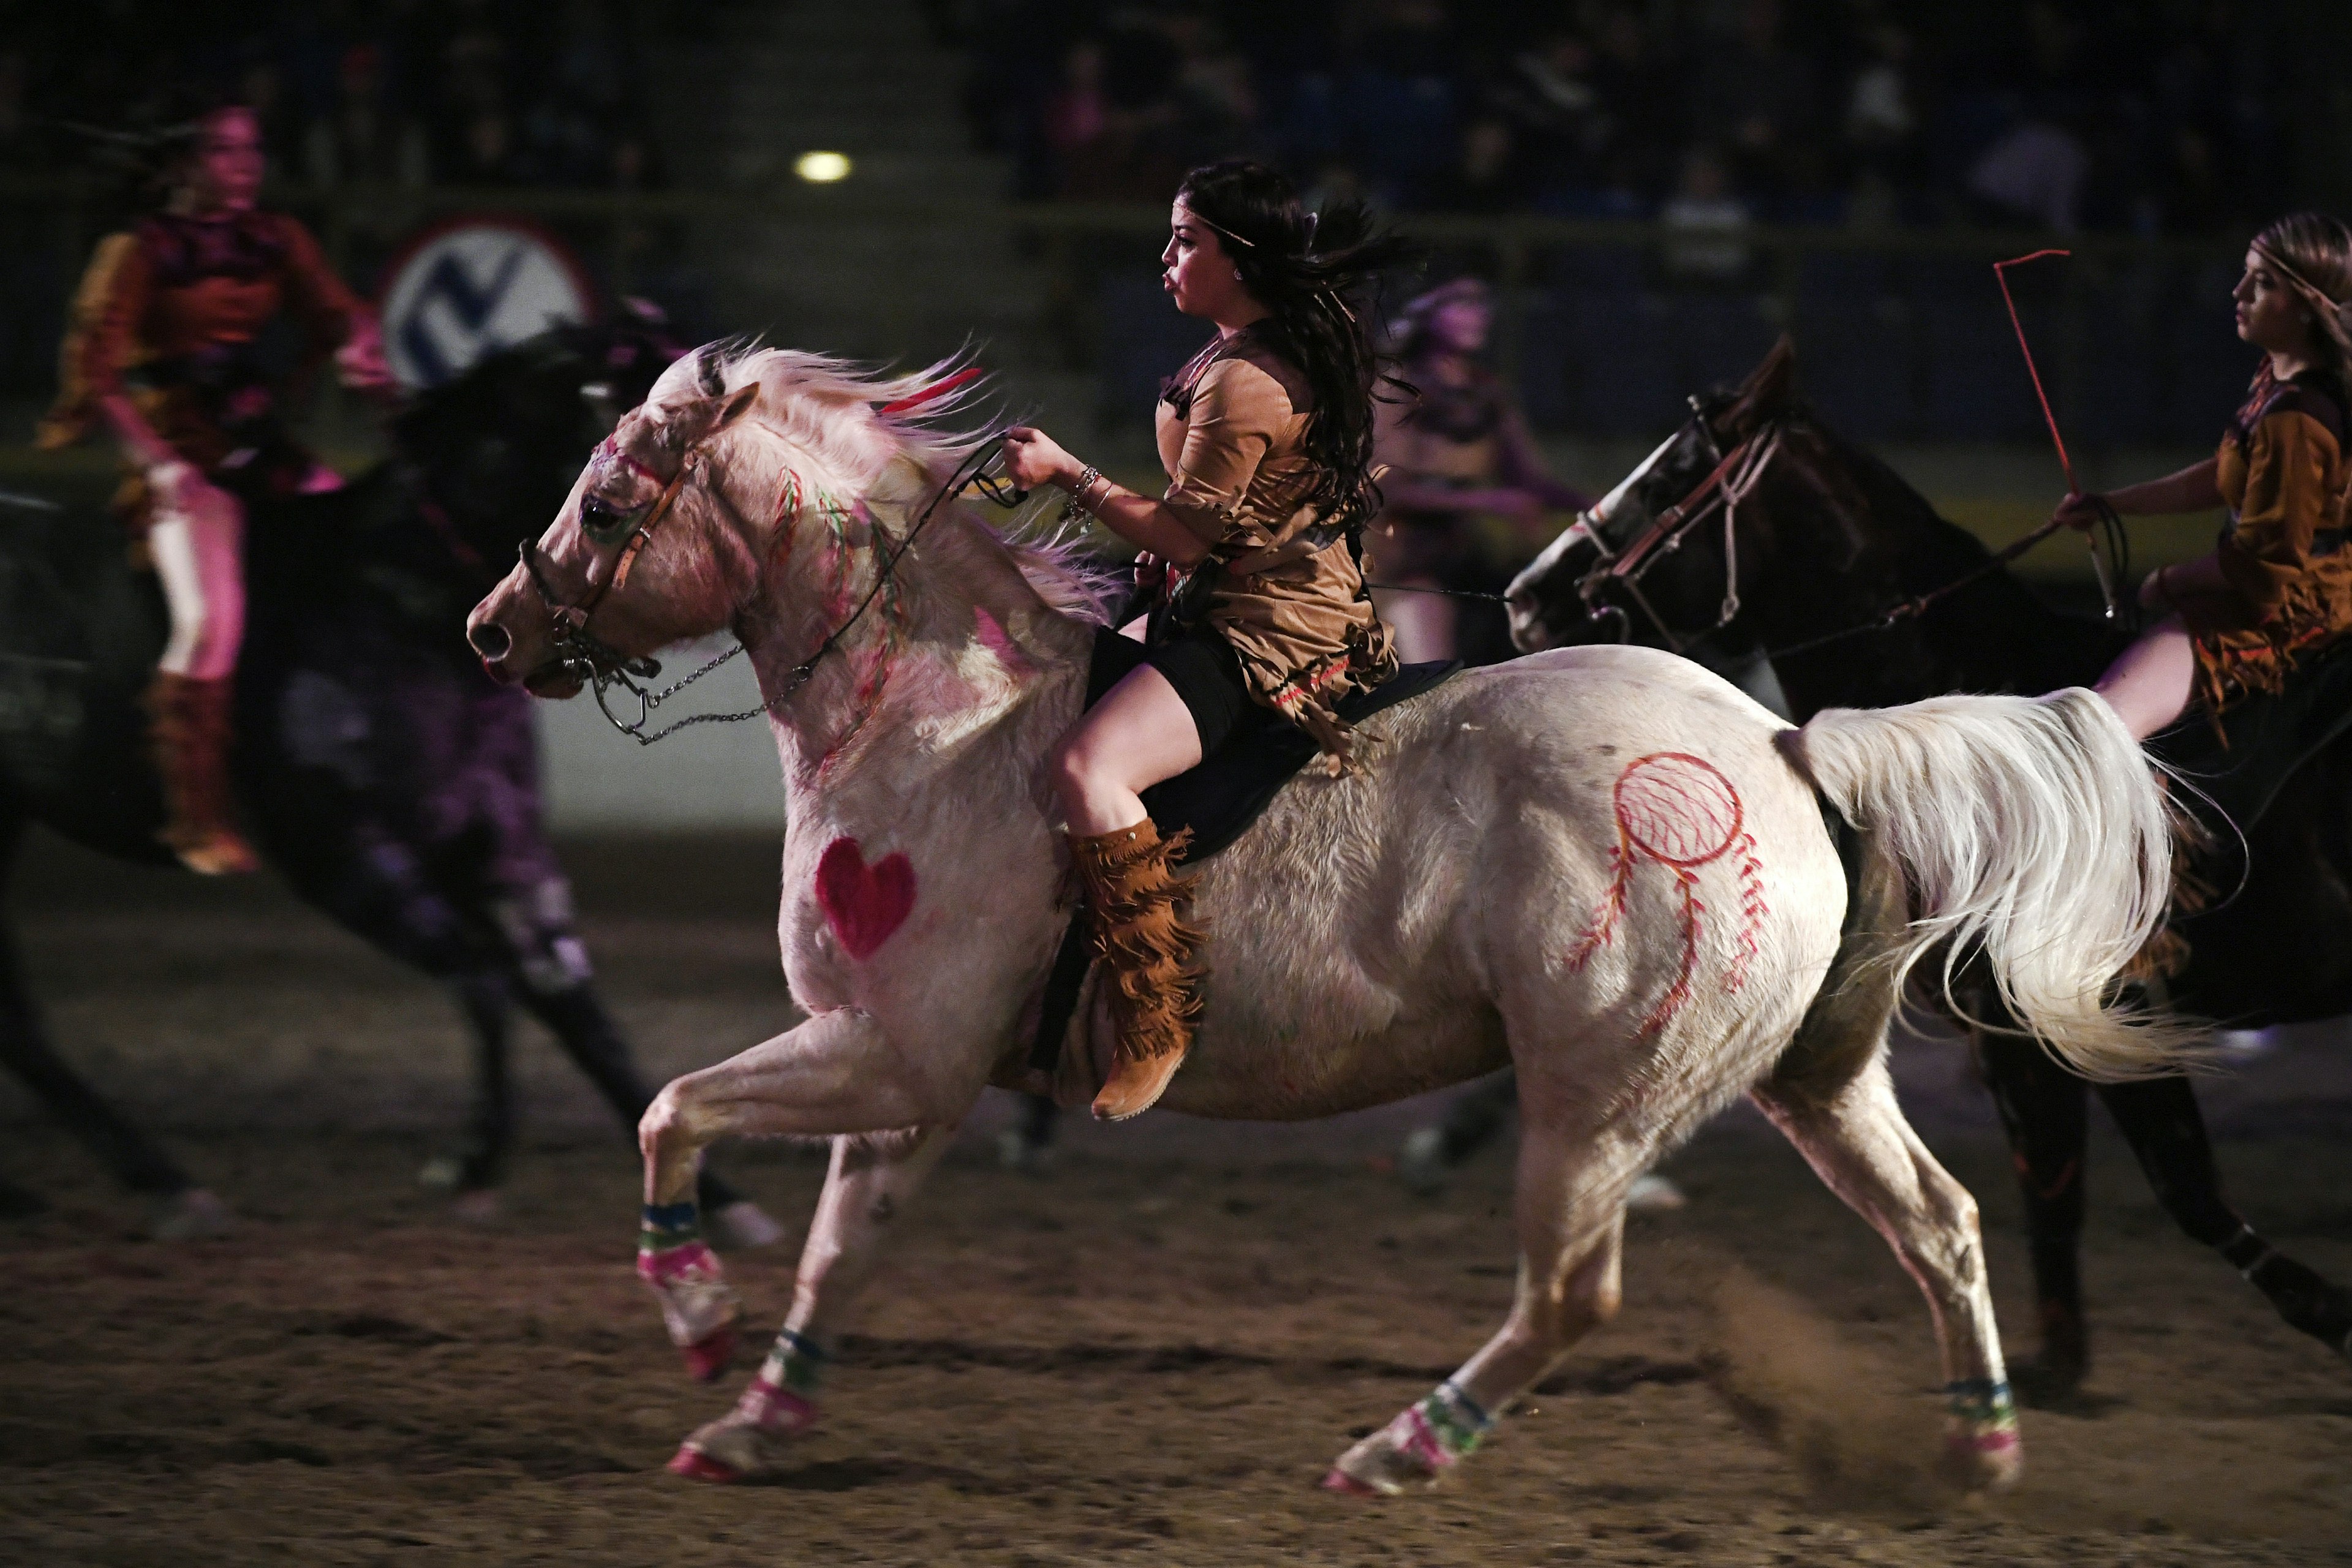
(666, 1120)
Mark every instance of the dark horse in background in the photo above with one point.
(1827, 540)
(392, 785)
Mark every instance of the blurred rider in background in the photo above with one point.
(166, 353)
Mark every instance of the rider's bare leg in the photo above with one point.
(870, 1182)
(2149, 684)
(1139, 733)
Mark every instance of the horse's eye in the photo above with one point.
(603, 523)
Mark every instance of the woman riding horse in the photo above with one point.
(2278, 587)
(1266, 436)
(166, 352)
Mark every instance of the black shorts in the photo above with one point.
(1206, 672)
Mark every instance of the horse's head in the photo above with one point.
(691, 516)
(1638, 566)
(495, 450)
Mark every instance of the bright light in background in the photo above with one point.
(821, 168)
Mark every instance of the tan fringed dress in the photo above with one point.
(1290, 597)
(2282, 471)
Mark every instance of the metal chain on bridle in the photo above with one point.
(582, 652)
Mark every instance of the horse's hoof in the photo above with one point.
(744, 1225)
(697, 1465)
(1989, 1462)
(192, 1214)
(709, 1359)
(1346, 1485)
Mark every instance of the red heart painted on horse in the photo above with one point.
(863, 903)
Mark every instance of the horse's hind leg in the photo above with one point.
(870, 1182)
(2160, 1120)
(1571, 1217)
(1859, 1142)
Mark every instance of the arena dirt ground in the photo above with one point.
(1148, 1355)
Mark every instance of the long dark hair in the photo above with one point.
(2314, 253)
(1317, 274)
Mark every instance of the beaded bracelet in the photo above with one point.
(1076, 508)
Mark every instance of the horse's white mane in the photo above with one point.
(831, 409)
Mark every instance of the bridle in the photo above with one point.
(1734, 478)
(597, 664)
(579, 652)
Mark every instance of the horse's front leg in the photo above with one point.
(836, 1073)
(872, 1179)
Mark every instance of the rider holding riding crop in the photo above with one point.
(1266, 436)
(166, 351)
(2278, 587)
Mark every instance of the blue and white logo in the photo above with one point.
(471, 290)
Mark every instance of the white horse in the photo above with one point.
(1604, 865)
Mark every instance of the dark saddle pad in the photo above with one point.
(2264, 739)
(1220, 796)
(1217, 798)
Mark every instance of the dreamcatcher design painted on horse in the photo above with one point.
(1355, 959)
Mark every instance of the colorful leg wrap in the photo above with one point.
(670, 1246)
(782, 1399)
(684, 1273)
(1984, 1417)
(1442, 1429)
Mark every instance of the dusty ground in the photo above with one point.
(1149, 1357)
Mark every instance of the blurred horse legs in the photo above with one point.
(2046, 1111)
(2044, 1108)
(181, 1209)
(588, 1035)
(2160, 1120)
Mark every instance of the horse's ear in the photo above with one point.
(733, 406)
(1764, 393)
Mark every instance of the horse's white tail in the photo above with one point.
(2032, 827)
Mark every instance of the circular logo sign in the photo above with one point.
(474, 286)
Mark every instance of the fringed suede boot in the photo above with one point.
(190, 728)
(1146, 948)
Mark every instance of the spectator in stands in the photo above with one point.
(1756, 100)
(2034, 174)
(1707, 224)
(364, 139)
(1486, 178)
